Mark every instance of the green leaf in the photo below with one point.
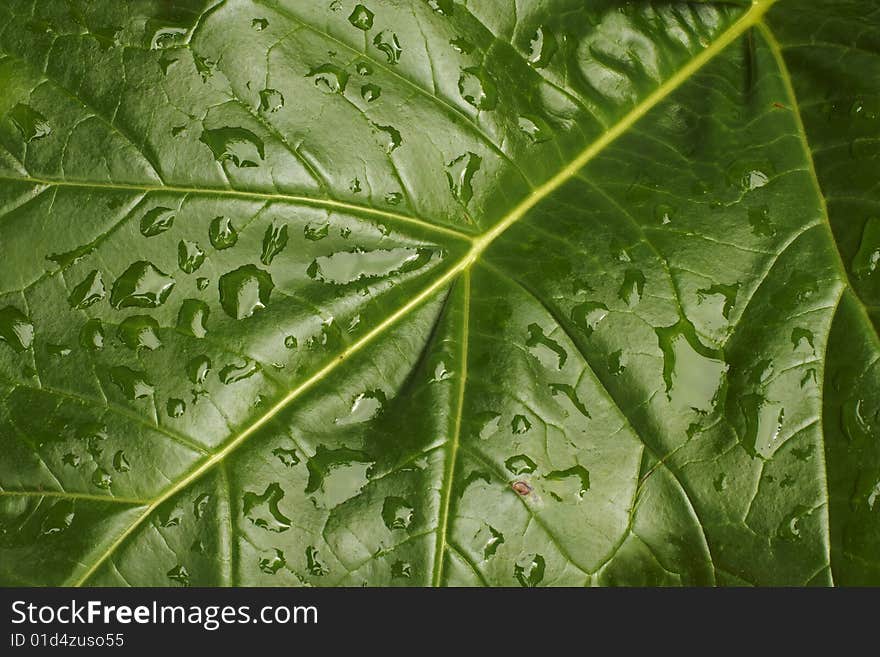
(432, 294)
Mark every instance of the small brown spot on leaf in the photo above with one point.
(522, 488)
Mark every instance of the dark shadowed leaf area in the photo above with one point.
(428, 292)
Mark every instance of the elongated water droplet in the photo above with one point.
(16, 329)
(192, 318)
(393, 138)
(157, 221)
(139, 332)
(262, 509)
(234, 372)
(59, 518)
(89, 291)
(245, 291)
(694, 373)
(536, 337)
(587, 315)
(349, 266)
(222, 233)
(867, 259)
(313, 564)
(460, 174)
(200, 505)
(142, 285)
(520, 464)
(542, 47)
(577, 472)
(120, 462)
(496, 538)
(197, 369)
(569, 391)
(728, 292)
(274, 241)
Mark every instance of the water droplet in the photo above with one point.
(16, 329)
(233, 372)
(179, 574)
(542, 47)
(168, 37)
(855, 426)
(222, 233)
(693, 373)
(142, 285)
(867, 259)
(460, 174)
(30, 123)
(462, 45)
(192, 319)
(133, 383)
(120, 462)
(58, 518)
(197, 369)
(190, 256)
(393, 137)
(274, 241)
(175, 407)
(443, 7)
(401, 570)
(496, 538)
(329, 78)
(139, 332)
(789, 529)
(89, 292)
(478, 89)
(361, 18)
(365, 406)
(586, 316)
(346, 267)
(568, 391)
(798, 334)
(578, 472)
(520, 464)
(535, 128)
(101, 478)
(393, 198)
(156, 221)
(168, 516)
(58, 350)
(262, 510)
(520, 424)
(290, 342)
(287, 456)
(616, 363)
(259, 24)
(759, 220)
(664, 213)
(273, 563)
(200, 505)
(729, 293)
(441, 373)
(397, 513)
(536, 337)
(313, 563)
(370, 92)
(316, 233)
(71, 459)
(245, 291)
(238, 145)
(91, 335)
(720, 482)
(389, 45)
(632, 288)
(529, 570)
(271, 100)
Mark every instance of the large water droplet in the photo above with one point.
(139, 332)
(542, 47)
(397, 513)
(238, 145)
(728, 292)
(142, 285)
(175, 407)
(587, 315)
(101, 478)
(222, 233)
(460, 174)
(133, 383)
(120, 462)
(91, 335)
(262, 510)
(632, 288)
(365, 406)
(763, 423)
(370, 92)
(694, 373)
(156, 221)
(274, 241)
(578, 472)
(346, 267)
(494, 541)
(16, 329)
(536, 337)
(245, 291)
(89, 292)
(58, 518)
(30, 123)
(478, 88)
(393, 138)
(197, 369)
